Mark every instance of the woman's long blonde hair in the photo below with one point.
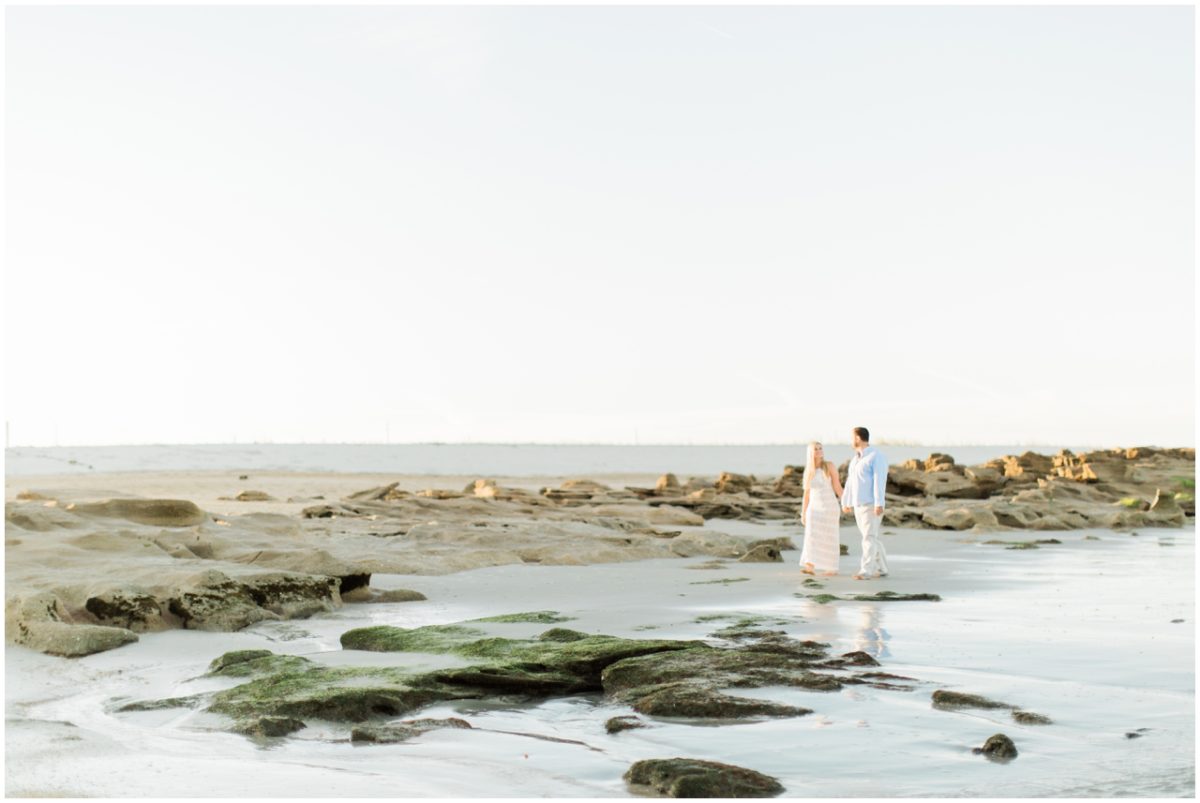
(810, 464)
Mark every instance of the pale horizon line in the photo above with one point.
(623, 444)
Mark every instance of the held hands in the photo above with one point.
(878, 510)
(846, 510)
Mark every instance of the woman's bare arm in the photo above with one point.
(837, 481)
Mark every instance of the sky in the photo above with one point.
(952, 225)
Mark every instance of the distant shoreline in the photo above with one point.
(483, 459)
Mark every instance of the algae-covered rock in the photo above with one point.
(943, 698)
(243, 663)
(431, 638)
(161, 705)
(268, 726)
(339, 694)
(689, 777)
(403, 731)
(618, 724)
(998, 748)
(699, 702)
(892, 596)
(1030, 718)
(561, 634)
(398, 595)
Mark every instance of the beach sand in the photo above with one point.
(1084, 631)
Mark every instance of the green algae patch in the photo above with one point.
(892, 596)
(431, 638)
(723, 581)
(532, 617)
(244, 663)
(562, 634)
(822, 599)
(341, 694)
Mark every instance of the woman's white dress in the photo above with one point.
(821, 543)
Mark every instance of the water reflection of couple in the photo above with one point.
(821, 511)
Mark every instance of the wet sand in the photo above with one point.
(1080, 631)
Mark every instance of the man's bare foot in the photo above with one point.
(859, 577)
(829, 574)
(807, 569)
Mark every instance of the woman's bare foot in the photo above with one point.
(807, 569)
(829, 574)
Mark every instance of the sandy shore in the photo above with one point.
(1083, 632)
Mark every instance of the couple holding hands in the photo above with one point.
(825, 500)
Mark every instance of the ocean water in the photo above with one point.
(503, 460)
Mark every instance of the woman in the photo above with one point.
(820, 514)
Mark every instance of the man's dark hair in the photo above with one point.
(862, 433)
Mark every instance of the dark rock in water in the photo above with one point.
(856, 658)
(403, 731)
(763, 553)
(1030, 718)
(398, 595)
(685, 700)
(843, 549)
(1137, 734)
(998, 748)
(268, 726)
(243, 476)
(689, 777)
(952, 699)
(618, 724)
(1178, 621)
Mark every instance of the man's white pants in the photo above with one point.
(874, 559)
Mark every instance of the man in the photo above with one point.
(864, 494)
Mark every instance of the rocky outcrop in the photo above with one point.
(39, 623)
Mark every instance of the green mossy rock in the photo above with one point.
(244, 663)
(697, 702)
(432, 638)
(689, 777)
(268, 727)
(340, 694)
(562, 634)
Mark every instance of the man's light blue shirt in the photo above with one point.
(866, 482)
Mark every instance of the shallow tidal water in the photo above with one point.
(1082, 632)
